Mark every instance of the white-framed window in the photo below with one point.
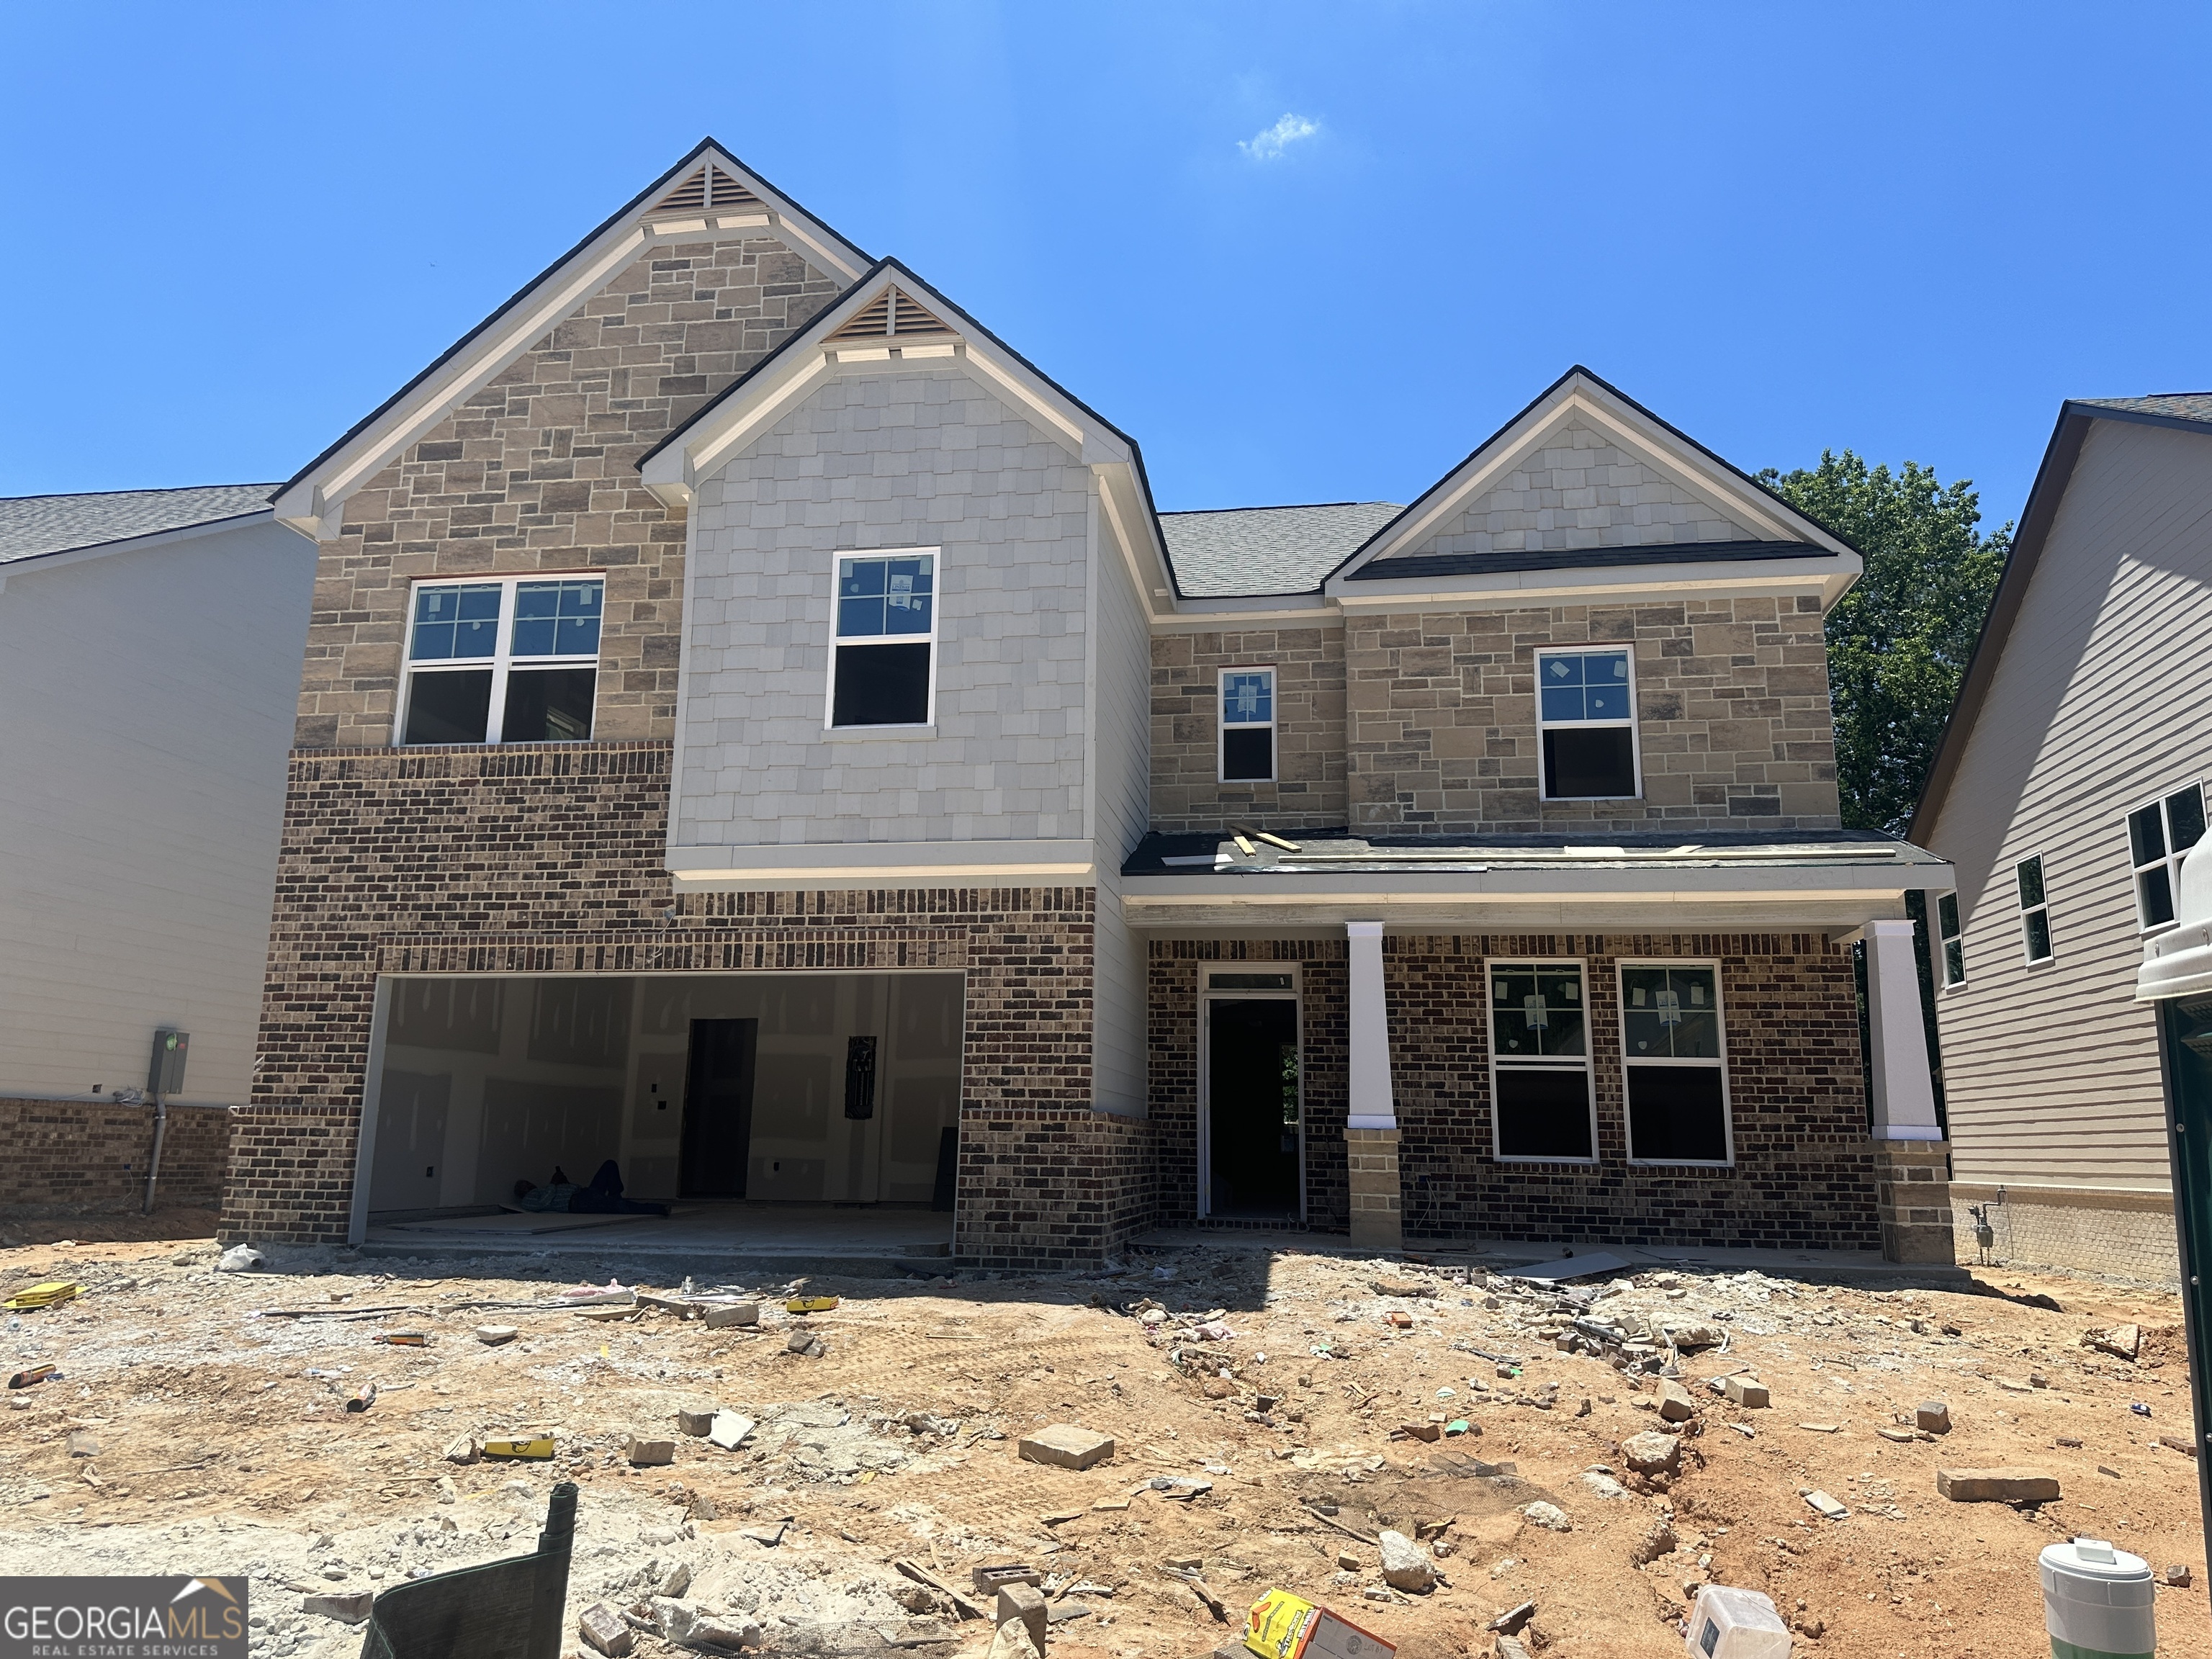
(1541, 1105)
(1586, 723)
(1675, 1063)
(1952, 941)
(882, 654)
(2034, 909)
(502, 659)
(2159, 834)
(1248, 725)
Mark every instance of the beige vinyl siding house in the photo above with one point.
(2088, 700)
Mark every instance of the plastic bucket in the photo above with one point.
(2097, 1602)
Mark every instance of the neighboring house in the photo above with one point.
(149, 642)
(756, 726)
(2068, 787)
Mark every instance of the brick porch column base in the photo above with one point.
(1912, 1200)
(1371, 1159)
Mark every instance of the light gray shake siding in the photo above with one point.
(2101, 700)
(912, 458)
(1123, 797)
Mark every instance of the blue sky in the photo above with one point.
(1303, 252)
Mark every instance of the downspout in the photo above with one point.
(161, 1135)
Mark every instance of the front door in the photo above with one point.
(1250, 1150)
(718, 1107)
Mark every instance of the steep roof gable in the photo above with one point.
(1585, 475)
(706, 195)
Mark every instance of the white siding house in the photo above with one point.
(150, 669)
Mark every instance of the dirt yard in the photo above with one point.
(189, 1430)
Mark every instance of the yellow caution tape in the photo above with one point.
(806, 1304)
(537, 1449)
(45, 1296)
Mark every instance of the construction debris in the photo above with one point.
(47, 1295)
(1406, 1565)
(2004, 1486)
(604, 1630)
(1066, 1446)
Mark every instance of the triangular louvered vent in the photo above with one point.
(710, 187)
(892, 315)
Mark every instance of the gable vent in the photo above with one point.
(892, 316)
(710, 187)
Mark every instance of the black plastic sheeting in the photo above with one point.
(508, 1609)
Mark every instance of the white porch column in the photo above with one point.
(1904, 1093)
(1370, 1129)
(1367, 1036)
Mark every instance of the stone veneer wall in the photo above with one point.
(545, 859)
(87, 1156)
(537, 472)
(1732, 716)
(1309, 788)
(1804, 1176)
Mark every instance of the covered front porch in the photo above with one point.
(1717, 1045)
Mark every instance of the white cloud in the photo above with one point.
(1269, 145)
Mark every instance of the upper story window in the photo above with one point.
(1248, 725)
(2159, 835)
(508, 660)
(1954, 945)
(882, 658)
(2034, 909)
(1541, 1105)
(1586, 723)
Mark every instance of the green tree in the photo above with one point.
(1899, 640)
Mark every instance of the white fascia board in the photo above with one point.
(1416, 912)
(674, 473)
(1480, 885)
(1626, 583)
(880, 864)
(31, 564)
(1262, 611)
(1132, 524)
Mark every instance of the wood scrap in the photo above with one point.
(929, 1580)
(1349, 1532)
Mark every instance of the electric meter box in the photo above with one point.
(165, 1075)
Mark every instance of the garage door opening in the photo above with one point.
(710, 1094)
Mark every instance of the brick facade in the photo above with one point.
(78, 1156)
(545, 859)
(537, 472)
(1804, 1176)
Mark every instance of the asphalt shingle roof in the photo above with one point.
(32, 524)
(1251, 550)
(2181, 405)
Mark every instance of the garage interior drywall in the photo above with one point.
(483, 1080)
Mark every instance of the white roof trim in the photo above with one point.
(314, 505)
(1668, 453)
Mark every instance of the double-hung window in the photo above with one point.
(1586, 724)
(1540, 1069)
(2159, 835)
(882, 657)
(508, 660)
(1248, 725)
(2034, 909)
(1670, 1051)
(1954, 944)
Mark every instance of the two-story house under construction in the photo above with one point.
(757, 728)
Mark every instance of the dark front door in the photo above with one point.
(718, 1107)
(1252, 1107)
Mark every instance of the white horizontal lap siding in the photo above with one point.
(890, 460)
(146, 707)
(2102, 699)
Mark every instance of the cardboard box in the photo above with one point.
(1285, 1626)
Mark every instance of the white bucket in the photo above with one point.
(2097, 1602)
(1735, 1624)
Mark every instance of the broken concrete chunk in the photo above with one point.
(728, 1430)
(347, 1606)
(2171, 1442)
(1510, 1647)
(1652, 1453)
(2004, 1486)
(2122, 1342)
(1550, 1516)
(1403, 1288)
(604, 1630)
(1346, 1561)
(1825, 1506)
(2178, 1577)
(696, 1420)
(648, 1454)
(721, 1315)
(80, 1443)
(1932, 1417)
(1420, 1431)
(1748, 1392)
(726, 1630)
(1658, 1539)
(1013, 1641)
(1406, 1564)
(1603, 1483)
(492, 1335)
(463, 1450)
(1022, 1604)
(1066, 1446)
(1675, 1405)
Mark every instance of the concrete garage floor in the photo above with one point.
(868, 1240)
